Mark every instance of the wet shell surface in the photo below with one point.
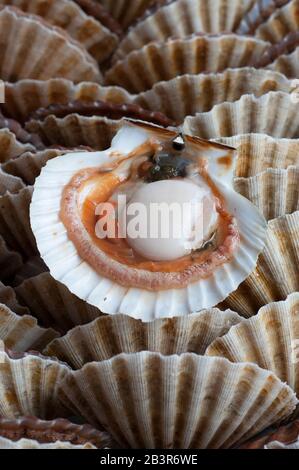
(111, 296)
(31, 432)
(29, 386)
(274, 192)
(270, 339)
(259, 152)
(160, 61)
(26, 96)
(183, 18)
(98, 40)
(53, 304)
(152, 401)
(275, 114)
(22, 333)
(276, 275)
(191, 94)
(112, 335)
(52, 53)
(282, 22)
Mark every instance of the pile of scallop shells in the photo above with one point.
(222, 70)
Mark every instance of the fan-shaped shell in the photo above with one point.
(151, 401)
(52, 53)
(282, 22)
(275, 114)
(108, 336)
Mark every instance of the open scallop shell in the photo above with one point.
(287, 64)
(26, 96)
(15, 224)
(10, 183)
(98, 40)
(274, 192)
(23, 333)
(259, 152)
(282, 22)
(30, 432)
(8, 298)
(152, 401)
(33, 49)
(65, 265)
(10, 147)
(159, 61)
(275, 114)
(269, 339)
(10, 262)
(259, 14)
(29, 386)
(274, 438)
(191, 94)
(277, 272)
(183, 18)
(108, 336)
(53, 304)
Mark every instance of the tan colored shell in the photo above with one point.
(8, 298)
(127, 12)
(14, 222)
(191, 94)
(10, 183)
(259, 14)
(258, 152)
(277, 272)
(116, 334)
(183, 18)
(10, 147)
(274, 192)
(98, 40)
(75, 130)
(159, 61)
(53, 304)
(30, 444)
(287, 64)
(282, 22)
(270, 340)
(33, 49)
(26, 96)
(22, 333)
(152, 401)
(29, 386)
(10, 261)
(274, 113)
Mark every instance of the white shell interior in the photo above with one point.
(66, 266)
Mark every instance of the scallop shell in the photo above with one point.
(31, 444)
(275, 114)
(126, 12)
(10, 261)
(276, 275)
(10, 147)
(270, 340)
(10, 183)
(274, 192)
(8, 298)
(191, 94)
(159, 61)
(59, 433)
(29, 386)
(284, 435)
(282, 22)
(183, 18)
(60, 254)
(152, 401)
(23, 333)
(53, 304)
(15, 224)
(259, 14)
(108, 336)
(259, 152)
(51, 53)
(98, 40)
(287, 64)
(26, 96)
